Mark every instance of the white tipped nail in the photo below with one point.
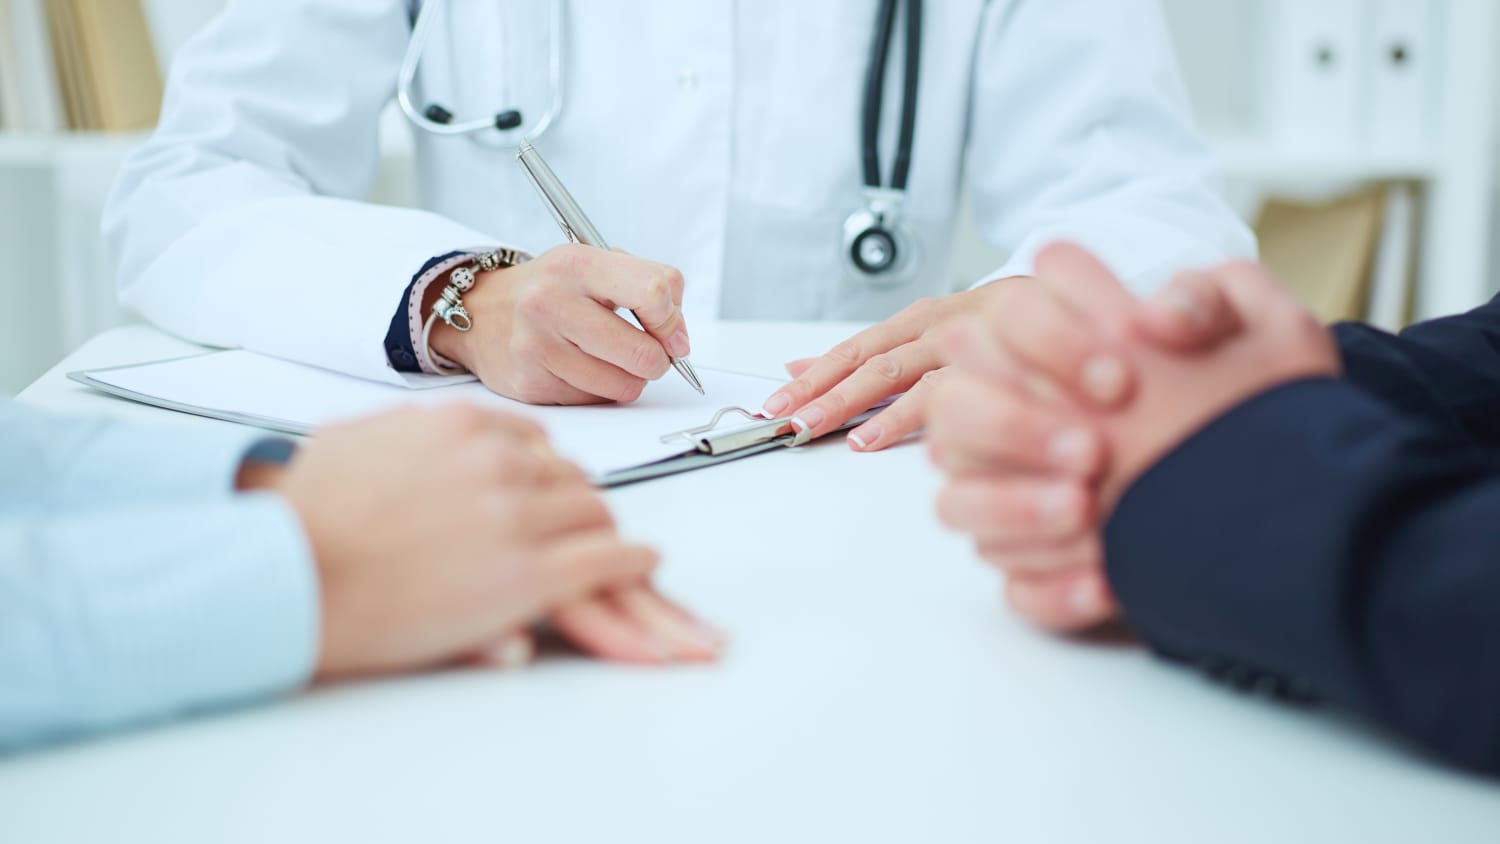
(858, 441)
(1184, 305)
(800, 425)
(1085, 600)
(515, 652)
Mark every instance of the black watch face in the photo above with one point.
(873, 251)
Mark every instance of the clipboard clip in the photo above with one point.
(761, 430)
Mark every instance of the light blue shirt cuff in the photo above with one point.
(158, 463)
(146, 613)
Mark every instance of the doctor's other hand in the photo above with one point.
(546, 331)
(439, 534)
(1206, 342)
(899, 355)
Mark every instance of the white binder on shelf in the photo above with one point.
(1391, 275)
(1401, 59)
(1314, 95)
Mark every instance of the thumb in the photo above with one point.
(1088, 285)
(1192, 313)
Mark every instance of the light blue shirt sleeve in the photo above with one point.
(135, 585)
(55, 461)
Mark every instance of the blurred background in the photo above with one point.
(1358, 136)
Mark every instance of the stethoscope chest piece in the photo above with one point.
(877, 244)
(879, 249)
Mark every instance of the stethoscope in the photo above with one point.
(505, 129)
(877, 245)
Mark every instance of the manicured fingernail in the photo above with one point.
(712, 637)
(677, 344)
(1104, 379)
(809, 419)
(1056, 506)
(865, 435)
(1072, 448)
(1085, 600)
(1184, 305)
(515, 652)
(660, 648)
(776, 405)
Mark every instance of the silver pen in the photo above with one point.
(575, 224)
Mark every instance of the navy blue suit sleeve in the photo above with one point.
(1446, 371)
(1319, 539)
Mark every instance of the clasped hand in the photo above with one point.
(442, 534)
(1064, 389)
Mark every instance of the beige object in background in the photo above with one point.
(107, 64)
(121, 62)
(1324, 251)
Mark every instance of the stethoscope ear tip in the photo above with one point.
(508, 120)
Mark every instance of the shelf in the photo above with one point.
(1250, 158)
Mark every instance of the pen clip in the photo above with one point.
(557, 215)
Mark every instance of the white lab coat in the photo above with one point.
(720, 137)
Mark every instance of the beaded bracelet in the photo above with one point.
(449, 306)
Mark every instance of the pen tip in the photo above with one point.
(689, 374)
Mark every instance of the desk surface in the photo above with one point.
(875, 691)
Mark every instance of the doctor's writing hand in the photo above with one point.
(1031, 367)
(441, 534)
(899, 355)
(546, 331)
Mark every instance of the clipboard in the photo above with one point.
(731, 433)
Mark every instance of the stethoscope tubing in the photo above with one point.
(874, 99)
(406, 81)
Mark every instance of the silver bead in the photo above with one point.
(462, 278)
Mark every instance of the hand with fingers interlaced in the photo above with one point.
(1062, 391)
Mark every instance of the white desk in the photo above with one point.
(875, 691)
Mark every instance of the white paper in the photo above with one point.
(600, 438)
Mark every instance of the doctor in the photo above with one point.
(768, 160)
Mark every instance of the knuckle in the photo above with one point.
(666, 283)
(537, 304)
(933, 378)
(887, 367)
(569, 261)
(923, 310)
(647, 359)
(848, 353)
